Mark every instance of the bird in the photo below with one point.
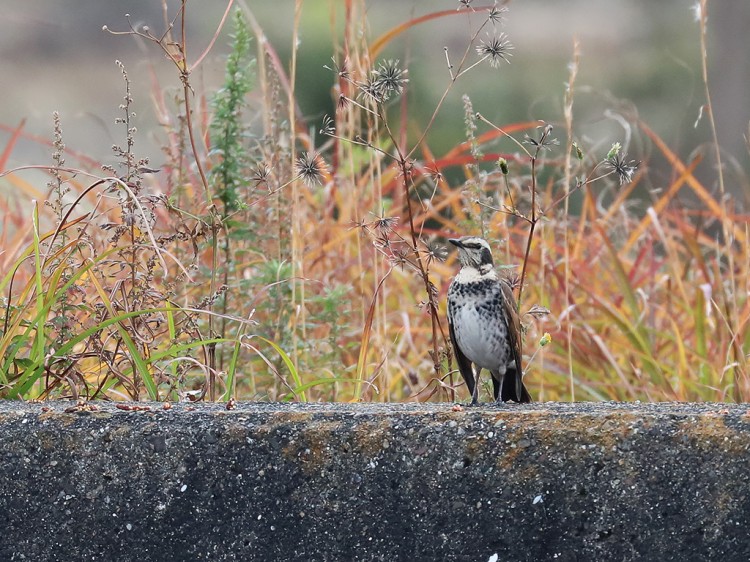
(485, 328)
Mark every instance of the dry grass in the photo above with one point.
(255, 267)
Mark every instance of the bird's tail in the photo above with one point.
(512, 388)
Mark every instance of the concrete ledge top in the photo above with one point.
(546, 481)
(655, 409)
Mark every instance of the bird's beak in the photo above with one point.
(456, 242)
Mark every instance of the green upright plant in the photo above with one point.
(230, 152)
(229, 135)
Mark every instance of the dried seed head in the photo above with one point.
(624, 169)
(311, 168)
(387, 80)
(496, 49)
(545, 141)
(384, 225)
(497, 14)
(261, 175)
(390, 77)
(329, 127)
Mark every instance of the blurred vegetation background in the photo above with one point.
(637, 53)
(251, 266)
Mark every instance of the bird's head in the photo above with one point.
(473, 252)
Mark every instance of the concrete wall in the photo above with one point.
(375, 482)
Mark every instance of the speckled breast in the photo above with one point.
(476, 313)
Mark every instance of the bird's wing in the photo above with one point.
(464, 365)
(514, 329)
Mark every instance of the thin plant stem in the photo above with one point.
(298, 287)
(568, 114)
(739, 355)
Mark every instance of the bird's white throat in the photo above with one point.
(469, 274)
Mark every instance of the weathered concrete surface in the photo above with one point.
(375, 482)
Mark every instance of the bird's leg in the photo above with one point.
(497, 381)
(475, 393)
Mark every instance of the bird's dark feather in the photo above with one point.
(514, 335)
